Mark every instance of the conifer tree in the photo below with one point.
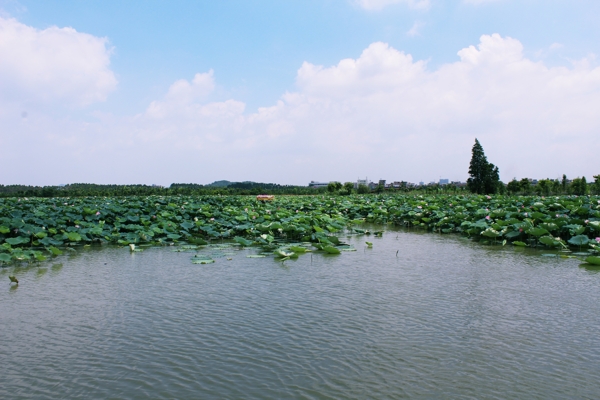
(484, 176)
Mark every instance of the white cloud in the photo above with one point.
(478, 2)
(415, 30)
(382, 114)
(43, 66)
(379, 4)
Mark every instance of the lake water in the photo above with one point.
(442, 318)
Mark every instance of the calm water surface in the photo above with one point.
(446, 318)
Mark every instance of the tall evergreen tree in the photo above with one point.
(484, 176)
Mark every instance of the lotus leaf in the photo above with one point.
(491, 233)
(17, 240)
(537, 231)
(242, 241)
(202, 261)
(331, 250)
(580, 240)
(593, 260)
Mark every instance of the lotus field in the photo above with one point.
(34, 229)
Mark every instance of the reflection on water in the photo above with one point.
(418, 315)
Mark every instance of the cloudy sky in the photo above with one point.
(297, 90)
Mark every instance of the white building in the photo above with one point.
(365, 182)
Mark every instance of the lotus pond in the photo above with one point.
(35, 229)
(413, 315)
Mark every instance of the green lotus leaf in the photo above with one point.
(242, 241)
(549, 241)
(202, 261)
(331, 250)
(512, 234)
(196, 240)
(73, 236)
(537, 232)
(54, 251)
(17, 240)
(298, 249)
(580, 240)
(593, 260)
(491, 233)
(283, 253)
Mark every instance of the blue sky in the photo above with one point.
(255, 51)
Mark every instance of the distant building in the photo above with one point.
(316, 185)
(365, 182)
(382, 182)
(444, 181)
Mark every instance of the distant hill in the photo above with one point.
(219, 184)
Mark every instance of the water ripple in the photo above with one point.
(445, 318)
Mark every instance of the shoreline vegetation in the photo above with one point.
(524, 187)
(34, 229)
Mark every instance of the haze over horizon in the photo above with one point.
(288, 92)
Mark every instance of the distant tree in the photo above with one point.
(362, 189)
(525, 186)
(484, 176)
(564, 183)
(543, 187)
(556, 186)
(579, 186)
(513, 186)
(349, 187)
(333, 187)
(596, 186)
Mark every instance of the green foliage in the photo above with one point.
(596, 185)
(579, 186)
(484, 176)
(348, 188)
(333, 187)
(215, 188)
(363, 189)
(593, 260)
(34, 228)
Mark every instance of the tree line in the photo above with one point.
(484, 178)
(188, 189)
